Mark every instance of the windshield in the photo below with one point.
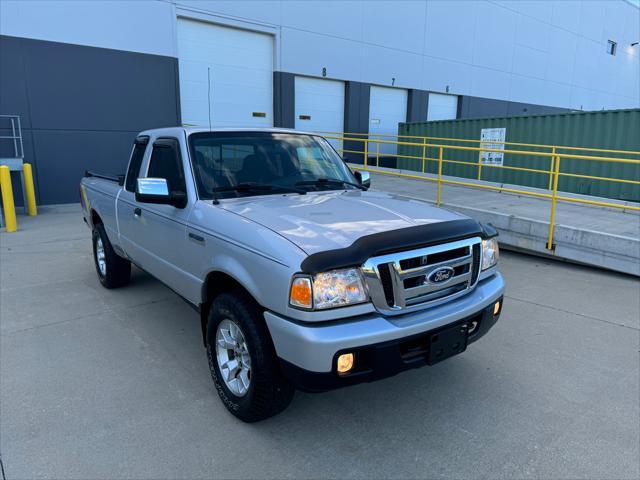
(224, 160)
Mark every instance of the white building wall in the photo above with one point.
(548, 53)
(136, 25)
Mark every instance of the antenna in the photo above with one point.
(209, 94)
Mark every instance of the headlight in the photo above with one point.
(490, 253)
(336, 288)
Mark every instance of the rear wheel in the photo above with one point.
(242, 360)
(113, 270)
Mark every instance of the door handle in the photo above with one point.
(196, 238)
(137, 211)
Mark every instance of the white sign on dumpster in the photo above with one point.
(487, 137)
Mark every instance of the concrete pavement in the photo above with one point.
(115, 384)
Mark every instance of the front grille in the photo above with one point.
(404, 281)
(385, 279)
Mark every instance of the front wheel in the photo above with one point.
(242, 359)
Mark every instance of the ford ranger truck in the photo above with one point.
(302, 276)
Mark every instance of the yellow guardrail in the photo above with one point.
(467, 140)
(554, 155)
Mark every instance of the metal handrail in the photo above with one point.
(553, 172)
(467, 140)
(16, 130)
(15, 163)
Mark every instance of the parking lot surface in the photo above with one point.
(115, 384)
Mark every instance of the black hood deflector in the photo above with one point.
(395, 241)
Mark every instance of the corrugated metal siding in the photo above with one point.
(611, 129)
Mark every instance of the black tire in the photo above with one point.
(269, 392)
(117, 269)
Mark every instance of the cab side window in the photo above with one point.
(137, 155)
(166, 163)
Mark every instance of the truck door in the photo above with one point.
(158, 233)
(126, 202)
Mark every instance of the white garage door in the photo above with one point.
(320, 106)
(387, 108)
(442, 107)
(227, 69)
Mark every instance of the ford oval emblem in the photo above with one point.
(441, 275)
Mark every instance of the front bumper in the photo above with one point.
(308, 351)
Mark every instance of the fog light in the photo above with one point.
(496, 309)
(345, 362)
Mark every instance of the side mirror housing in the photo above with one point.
(364, 178)
(156, 190)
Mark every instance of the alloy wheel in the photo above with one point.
(232, 355)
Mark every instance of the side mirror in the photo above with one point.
(156, 190)
(364, 178)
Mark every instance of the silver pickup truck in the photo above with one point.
(303, 278)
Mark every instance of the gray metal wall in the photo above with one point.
(357, 97)
(417, 105)
(81, 107)
(284, 100)
(477, 107)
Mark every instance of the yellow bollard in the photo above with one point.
(7, 199)
(29, 190)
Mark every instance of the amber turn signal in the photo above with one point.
(300, 295)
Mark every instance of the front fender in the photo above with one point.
(264, 279)
(238, 272)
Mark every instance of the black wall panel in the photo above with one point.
(81, 107)
(418, 105)
(356, 117)
(478, 107)
(284, 98)
(64, 155)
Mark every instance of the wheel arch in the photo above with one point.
(216, 283)
(95, 217)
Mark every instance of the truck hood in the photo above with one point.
(329, 220)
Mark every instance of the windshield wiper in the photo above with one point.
(329, 181)
(259, 187)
